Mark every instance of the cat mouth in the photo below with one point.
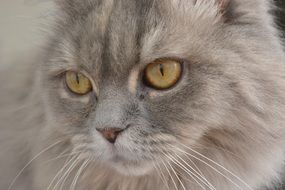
(128, 165)
(118, 156)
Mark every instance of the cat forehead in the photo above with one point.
(121, 33)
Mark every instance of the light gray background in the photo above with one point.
(22, 25)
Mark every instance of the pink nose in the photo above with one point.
(110, 134)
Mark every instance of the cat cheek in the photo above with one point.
(65, 95)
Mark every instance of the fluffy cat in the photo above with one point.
(220, 127)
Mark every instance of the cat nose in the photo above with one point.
(110, 134)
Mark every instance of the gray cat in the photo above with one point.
(148, 95)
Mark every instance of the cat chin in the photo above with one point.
(132, 168)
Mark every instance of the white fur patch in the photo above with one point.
(133, 80)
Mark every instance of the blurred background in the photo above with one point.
(21, 27)
(22, 23)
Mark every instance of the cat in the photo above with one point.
(148, 95)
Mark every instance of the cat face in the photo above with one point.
(122, 119)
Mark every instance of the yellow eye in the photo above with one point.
(163, 73)
(78, 83)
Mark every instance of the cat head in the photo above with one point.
(105, 89)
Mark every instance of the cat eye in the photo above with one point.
(77, 83)
(163, 73)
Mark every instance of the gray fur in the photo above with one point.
(228, 106)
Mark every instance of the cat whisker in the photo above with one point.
(64, 177)
(61, 174)
(68, 173)
(166, 154)
(190, 173)
(80, 170)
(159, 168)
(194, 176)
(199, 173)
(161, 175)
(68, 161)
(193, 180)
(198, 170)
(172, 179)
(226, 151)
(61, 156)
(219, 165)
(29, 163)
(178, 178)
(215, 169)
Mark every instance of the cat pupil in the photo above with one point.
(161, 69)
(77, 78)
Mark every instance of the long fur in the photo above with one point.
(221, 127)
